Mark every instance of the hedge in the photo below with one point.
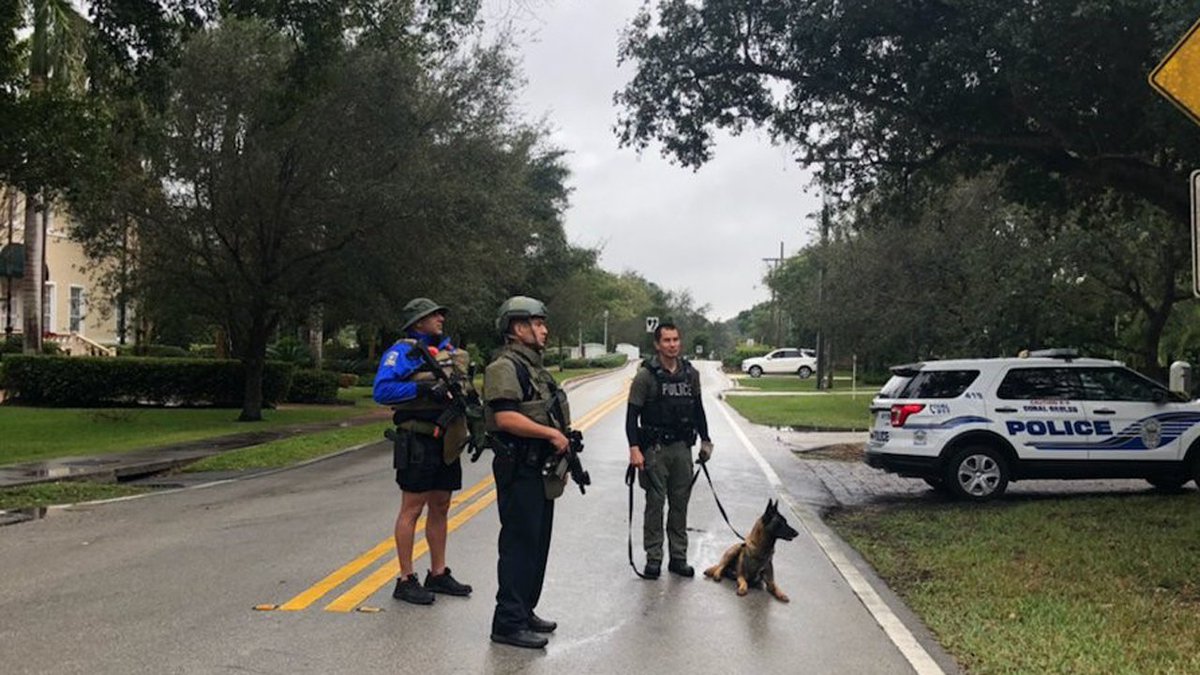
(313, 386)
(98, 381)
(744, 352)
(609, 361)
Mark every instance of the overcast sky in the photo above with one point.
(706, 231)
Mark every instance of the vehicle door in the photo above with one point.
(1038, 409)
(783, 361)
(1145, 420)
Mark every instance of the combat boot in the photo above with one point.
(409, 589)
(679, 566)
(652, 569)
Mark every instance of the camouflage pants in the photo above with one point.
(667, 480)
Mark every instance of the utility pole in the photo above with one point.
(824, 377)
(776, 314)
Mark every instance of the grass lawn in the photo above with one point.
(833, 412)
(1086, 585)
(43, 433)
(290, 450)
(68, 492)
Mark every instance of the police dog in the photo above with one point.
(750, 562)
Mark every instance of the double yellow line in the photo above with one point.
(476, 498)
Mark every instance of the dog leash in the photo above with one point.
(704, 468)
(630, 476)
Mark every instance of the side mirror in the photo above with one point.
(1161, 396)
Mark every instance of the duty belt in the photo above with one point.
(666, 435)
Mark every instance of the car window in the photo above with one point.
(812, 354)
(1116, 384)
(787, 354)
(938, 384)
(893, 387)
(1040, 383)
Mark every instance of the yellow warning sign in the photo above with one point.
(1178, 76)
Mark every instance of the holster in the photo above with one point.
(401, 453)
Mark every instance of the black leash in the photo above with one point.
(704, 468)
(630, 476)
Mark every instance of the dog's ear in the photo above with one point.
(771, 507)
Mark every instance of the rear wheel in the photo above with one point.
(1168, 484)
(805, 372)
(977, 473)
(755, 371)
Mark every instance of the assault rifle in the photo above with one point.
(463, 403)
(574, 447)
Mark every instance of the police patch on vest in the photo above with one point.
(676, 389)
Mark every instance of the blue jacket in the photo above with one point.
(392, 383)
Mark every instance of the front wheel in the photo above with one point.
(1171, 484)
(805, 372)
(755, 371)
(977, 473)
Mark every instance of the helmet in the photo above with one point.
(419, 308)
(518, 307)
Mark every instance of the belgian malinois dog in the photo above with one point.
(750, 561)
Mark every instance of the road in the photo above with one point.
(169, 583)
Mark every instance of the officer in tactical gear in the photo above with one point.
(663, 419)
(426, 456)
(527, 415)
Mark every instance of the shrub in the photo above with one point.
(87, 381)
(609, 361)
(313, 386)
(290, 350)
(744, 352)
(346, 380)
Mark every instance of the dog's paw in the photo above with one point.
(782, 597)
(743, 587)
(713, 573)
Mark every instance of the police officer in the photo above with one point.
(425, 457)
(662, 421)
(526, 416)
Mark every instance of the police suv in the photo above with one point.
(970, 426)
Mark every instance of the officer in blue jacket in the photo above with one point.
(426, 470)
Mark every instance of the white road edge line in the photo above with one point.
(895, 629)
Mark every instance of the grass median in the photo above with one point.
(65, 492)
(46, 433)
(827, 412)
(841, 383)
(291, 451)
(1095, 584)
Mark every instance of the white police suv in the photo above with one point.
(971, 426)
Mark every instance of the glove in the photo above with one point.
(706, 449)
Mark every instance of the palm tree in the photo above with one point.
(56, 55)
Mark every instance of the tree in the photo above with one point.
(1046, 89)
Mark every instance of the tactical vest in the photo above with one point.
(453, 363)
(669, 414)
(541, 397)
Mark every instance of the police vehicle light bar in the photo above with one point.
(1059, 353)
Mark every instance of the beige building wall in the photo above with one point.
(76, 303)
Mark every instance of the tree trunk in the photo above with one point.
(1156, 323)
(316, 336)
(254, 361)
(32, 293)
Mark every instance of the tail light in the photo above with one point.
(902, 411)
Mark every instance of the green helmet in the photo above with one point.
(419, 308)
(518, 307)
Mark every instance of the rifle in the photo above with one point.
(463, 403)
(574, 447)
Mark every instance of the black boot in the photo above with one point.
(521, 638)
(409, 589)
(539, 625)
(680, 567)
(652, 570)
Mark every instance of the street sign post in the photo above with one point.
(651, 323)
(1195, 190)
(1177, 77)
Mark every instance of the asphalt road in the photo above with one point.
(169, 583)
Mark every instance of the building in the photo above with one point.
(74, 313)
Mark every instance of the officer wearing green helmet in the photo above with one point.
(426, 456)
(526, 415)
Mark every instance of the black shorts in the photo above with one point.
(432, 473)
